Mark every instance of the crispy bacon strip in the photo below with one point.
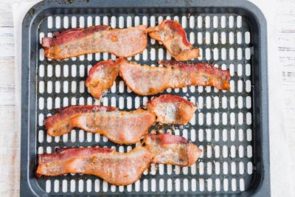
(102, 76)
(74, 42)
(171, 34)
(172, 109)
(122, 127)
(119, 168)
(114, 167)
(172, 149)
(147, 80)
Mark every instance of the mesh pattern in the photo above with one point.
(222, 126)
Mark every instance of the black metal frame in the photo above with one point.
(261, 180)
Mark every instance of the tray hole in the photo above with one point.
(233, 168)
(239, 37)
(176, 185)
(232, 86)
(40, 119)
(48, 186)
(169, 185)
(215, 37)
(57, 103)
(239, 54)
(153, 185)
(232, 135)
(247, 53)
(224, 151)
(232, 119)
(222, 21)
(241, 118)
(223, 53)
(105, 20)
(232, 102)
(41, 70)
(209, 167)
(225, 168)
(249, 118)
(216, 118)
(208, 119)
(242, 184)
(201, 118)
(247, 37)
(200, 38)
(224, 118)
(191, 22)
(215, 21)
(241, 135)
(41, 136)
(207, 38)
(209, 184)
(232, 151)
(48, 148)
(192, 37)
(217, 167)
(201, 168)
(193, 185)
(201, 184)
(231, 37)
(161, 185)
(234, 184)
(216, 135)
(249, 135)
(225, 184)
(209, 151)
(249, 151)
(216, 151)
(200, 21)
(223, 38)
(241, 151)
(239, 21)
(184, 21)
(241, 168)
(230, 21)
(231, 54)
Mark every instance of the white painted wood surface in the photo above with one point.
(280, 16)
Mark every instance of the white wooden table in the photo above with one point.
(280, 16)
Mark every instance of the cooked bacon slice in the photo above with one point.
(171, 34)
(172, 149)
(102, 76)
(119, 168)
(122, 127)
(172, 109)
(74, 42)
(147, 80)
(114, 167)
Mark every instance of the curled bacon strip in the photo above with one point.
(171, 34)
(119, 168)
(172, 149)
(114, 167)
(147, 80)
(172, 109)
(74, 42)
(122, 127)
(102, 76)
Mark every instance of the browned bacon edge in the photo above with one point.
(183, 109)
(71, 34)
(64, 113)
(185, 54)
(96, 90)
(67, 153)
(184, 153)
(201, 67)
(170, 98)
(66, 160)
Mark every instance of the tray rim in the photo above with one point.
(27, 189)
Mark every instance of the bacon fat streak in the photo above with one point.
(120, 168)
(171, 34)
(74, 42)
(122, 127)
(147, 80)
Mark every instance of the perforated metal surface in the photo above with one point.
(222, 126)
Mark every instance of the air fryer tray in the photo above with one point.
(230, 126)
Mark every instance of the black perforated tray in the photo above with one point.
(230, 126)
